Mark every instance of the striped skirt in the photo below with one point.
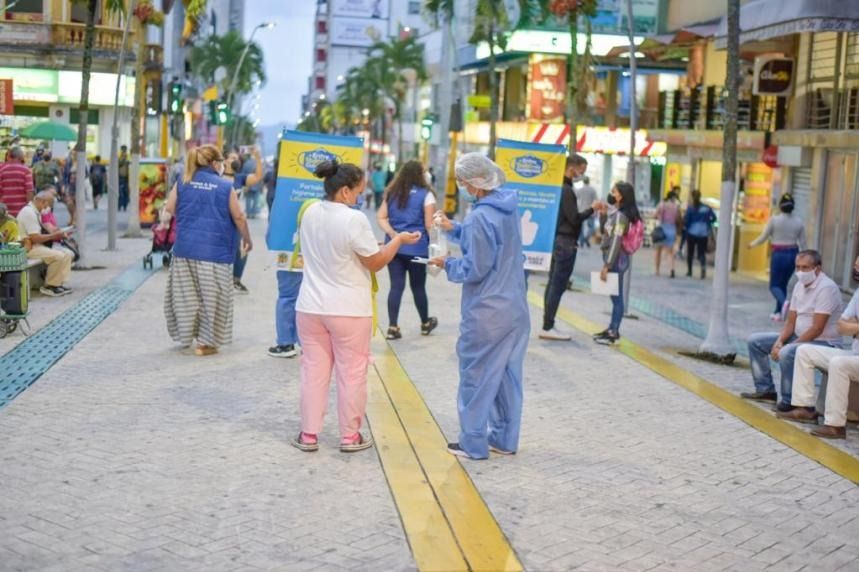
(199, 302)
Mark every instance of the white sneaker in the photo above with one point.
(775, 317)
(556, 335)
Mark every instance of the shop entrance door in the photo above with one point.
(838, 229)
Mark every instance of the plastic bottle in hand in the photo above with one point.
(438, 240)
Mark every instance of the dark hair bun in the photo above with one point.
(326, 169)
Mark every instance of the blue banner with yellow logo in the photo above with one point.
(536, 172)
(300, 153)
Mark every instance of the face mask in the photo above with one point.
(611, 200)
(805, 278)
(46, 211)
(466, 196)
(221, 170)
(428, 178)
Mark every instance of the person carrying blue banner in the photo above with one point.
(495, 319)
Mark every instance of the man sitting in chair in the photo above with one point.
(38, 241)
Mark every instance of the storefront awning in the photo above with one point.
(674, 45)
(766, 19)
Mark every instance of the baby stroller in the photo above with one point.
(163, 237)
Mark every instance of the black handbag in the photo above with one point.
(658, 235)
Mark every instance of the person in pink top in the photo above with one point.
(335, 304)
(669, 218)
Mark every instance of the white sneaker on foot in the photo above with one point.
(556, 335)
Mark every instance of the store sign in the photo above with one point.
(476, 101)
(757, 193)
(616, 142)
(33, 84)
(770, 156)
(7, 99)
(360, 8)
(549, 42)
(547, 88)
(102, 87)
(773, 76)
(357, 32)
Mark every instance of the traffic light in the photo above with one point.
(175, 102)
(426, 126)
(223, 115)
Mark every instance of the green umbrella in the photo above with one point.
(49, 130)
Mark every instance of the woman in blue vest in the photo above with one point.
(408, 207)
(199, 300)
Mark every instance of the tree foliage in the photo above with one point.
(225, 51)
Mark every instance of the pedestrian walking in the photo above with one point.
(786, 235)
(98, 179)
(569, 229)
(377, 181)
(624, 232)
(698, 223)
(209, 219)
(668, 218)
(586, 195)
(495, 322)
(242, 181)
(408, 207)
(123, 167)
(335, 305)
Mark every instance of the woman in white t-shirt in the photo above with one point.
(335, 306)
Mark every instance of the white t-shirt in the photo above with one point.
(28, 221)
(821, 297)
(335, 282)
(429, 200)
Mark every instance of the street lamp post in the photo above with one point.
(234, 81)
(113, 175)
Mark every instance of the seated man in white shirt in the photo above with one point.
(39, 241)
(842, 367)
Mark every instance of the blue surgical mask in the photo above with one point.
(466, 196)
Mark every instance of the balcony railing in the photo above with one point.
(72, 36)
(704, 108)
(833, 109)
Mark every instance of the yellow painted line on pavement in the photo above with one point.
(797, 439)
(478, 536)
(427, 530)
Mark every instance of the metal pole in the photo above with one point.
(113, 187)
(633, 128)
(230, 94)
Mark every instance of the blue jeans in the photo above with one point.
(252, 207)
(239, 262)
(621, 265)
(288, 285)
(123, 194)
(563, 262)
(760, 348)
(587, 232)
(782, 264)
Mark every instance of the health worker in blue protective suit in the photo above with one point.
(493, 334)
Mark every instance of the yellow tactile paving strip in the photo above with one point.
(794, 437)
(448, 525)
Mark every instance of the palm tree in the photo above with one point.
(394, 59)
(571, 10)
(224, 52)
(79, 216)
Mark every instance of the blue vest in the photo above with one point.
(204, 226)
(410, 219)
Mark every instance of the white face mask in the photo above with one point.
(806, 278)
(428, 178)
(220, 170)
(46, 211)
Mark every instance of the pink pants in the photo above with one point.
(341, 343)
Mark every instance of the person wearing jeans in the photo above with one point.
(615, 258)
(288, 287)
(786, 234)
(812, 319)
(567, 233)
(335, 305)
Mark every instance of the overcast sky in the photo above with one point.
(288, 50)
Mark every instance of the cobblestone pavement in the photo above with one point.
(132, 455)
